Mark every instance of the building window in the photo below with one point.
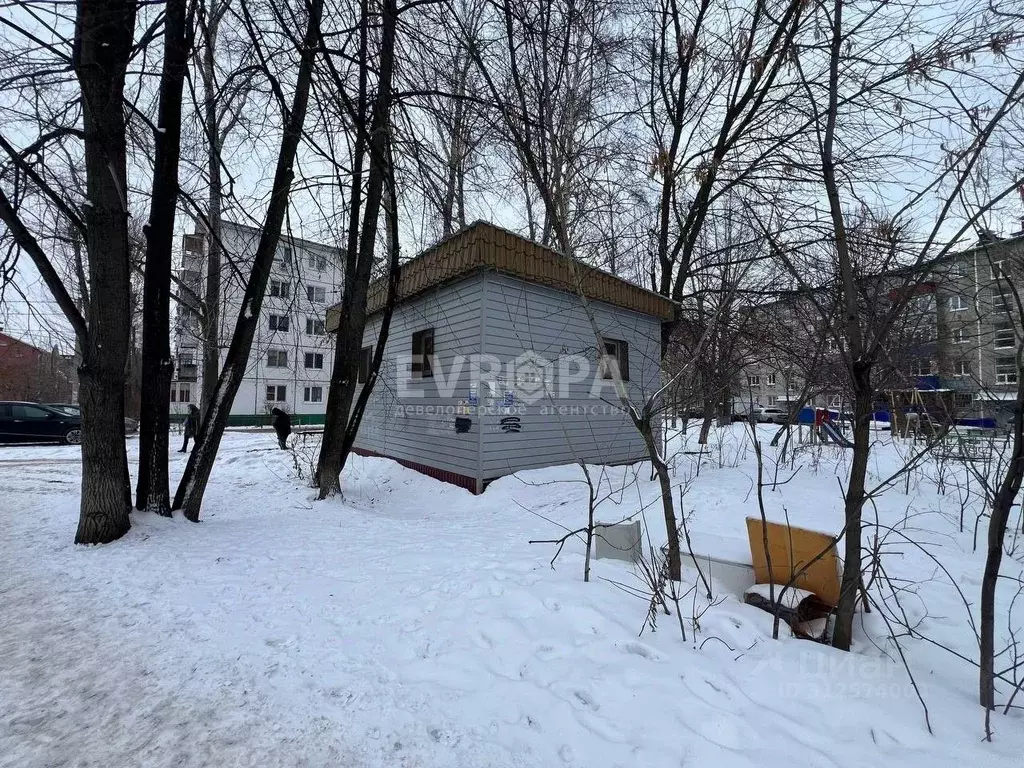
(617, 351)
(317, 294)
(996, 270)
(314, 360)
(174, 394)
(962, 368)
(920, 336)
(186, 357)
(772, 400)
(1001, 302)
(365, 363)
(957, 304)
(319, 263)
(1006, 370)
(279, 322)
(958, 336)
(962, 401)
(1004, 337)
(194, 243)
(314, 327)
(312, 394)
(284, 256)
(423, 354)
(753, 381)
(280, 289)
(921, 367)
(277, 393)
(277, 358)
(770, 379)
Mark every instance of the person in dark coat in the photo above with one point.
(282, 426)
(191, 426)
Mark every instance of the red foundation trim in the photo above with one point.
(454, 478)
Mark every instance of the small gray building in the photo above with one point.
(492, 367)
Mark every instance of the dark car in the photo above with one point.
(34, 423)
(131, 426)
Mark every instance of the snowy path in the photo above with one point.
(412, 625)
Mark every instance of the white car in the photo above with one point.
(772, 415)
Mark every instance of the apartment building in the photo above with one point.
(957, 335)
(979, 325)
(291, 358)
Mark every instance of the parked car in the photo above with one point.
(34, 423)
(131, 426)
(772, 415)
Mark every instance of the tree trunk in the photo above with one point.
(333, 451)
(1002, 505)
(104, 33)
(709, 417)
(211, 297)
(675, 568)
(189, 496)
(863, 400)
(394, 272)
(153, 491)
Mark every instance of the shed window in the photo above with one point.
(423, 354)
(617, 351)
(365, 363)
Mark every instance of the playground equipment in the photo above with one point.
(828, 431)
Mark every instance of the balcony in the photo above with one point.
(188, 372)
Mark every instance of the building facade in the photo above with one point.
(35, 375)
(957, 335)
(291, 358)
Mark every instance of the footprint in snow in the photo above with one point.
(442, 736)
(484, 640)
(639, 649)
(586, 699)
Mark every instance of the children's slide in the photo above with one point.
(833, 434)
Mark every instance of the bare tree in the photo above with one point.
(440, 132)
(371, 118)
(152, 490)
(193, 483)
(874, 255)
(99, 56)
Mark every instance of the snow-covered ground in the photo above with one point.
(412, 624)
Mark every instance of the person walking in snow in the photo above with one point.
(191, 425)
(282, 426)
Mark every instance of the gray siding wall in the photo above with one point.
(504, 317)
(419, 425)
(521, 316)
